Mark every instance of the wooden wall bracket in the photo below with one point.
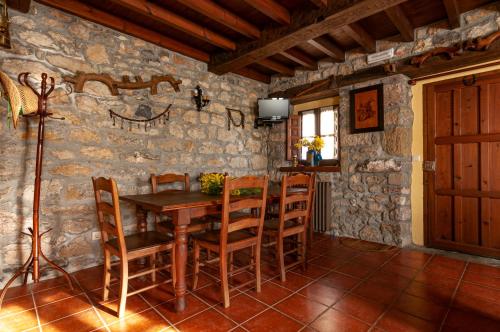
(113, 85)
(448, 52)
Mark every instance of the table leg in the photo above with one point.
(181, 219)
(142, 218)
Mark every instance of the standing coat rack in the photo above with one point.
(32, 265)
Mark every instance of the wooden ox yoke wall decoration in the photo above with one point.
(81, 78)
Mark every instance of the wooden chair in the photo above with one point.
(294, 208)
(166, 225)
(241, 228)
(127, 248)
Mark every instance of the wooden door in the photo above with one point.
(462, 165)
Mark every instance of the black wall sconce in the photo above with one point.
(199, 99)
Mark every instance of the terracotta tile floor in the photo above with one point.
(343, 289)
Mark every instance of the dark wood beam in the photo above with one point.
(169, 18)
(221, 15)
(401, 22)
(98, 16)
(453, 12)
(277, 67)
(328, 47)
(304, 26)
(271, 9)
(22, 6)
(253, 74)
(300, 58)
(319, 3)
(361, 36)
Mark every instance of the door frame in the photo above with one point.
(429, 176)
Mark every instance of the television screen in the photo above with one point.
(273, 109)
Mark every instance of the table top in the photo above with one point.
(168, 201)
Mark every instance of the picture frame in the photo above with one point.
(367, 109)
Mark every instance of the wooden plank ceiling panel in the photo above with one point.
(272, 9)
(305, 26)
(400, 20)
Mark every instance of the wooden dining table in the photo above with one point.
(182, 207)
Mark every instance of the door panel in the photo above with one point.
(463, 192)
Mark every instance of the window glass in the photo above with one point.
(328, 150)
(327, 123)
(308, 124)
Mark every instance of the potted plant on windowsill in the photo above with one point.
(314, 147)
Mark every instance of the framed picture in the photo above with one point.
(367, 109)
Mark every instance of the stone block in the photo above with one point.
(398, 141)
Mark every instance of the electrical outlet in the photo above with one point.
(96, 236)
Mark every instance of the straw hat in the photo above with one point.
(20, 98)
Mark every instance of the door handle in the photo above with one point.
(429, 166)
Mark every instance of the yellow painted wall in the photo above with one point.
(417, 182)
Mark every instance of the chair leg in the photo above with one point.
(224, 280)
(303, 249)
(122, 299)
(257, 266)
(152, 259)
(281, 258)
(196, 264)
(107, 275)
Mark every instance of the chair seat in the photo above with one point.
(232, 216)
(142, 240)
(274, 224)
(214, 236)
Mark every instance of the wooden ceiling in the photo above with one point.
(260, 38)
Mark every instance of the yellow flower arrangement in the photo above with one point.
(212, 183)
(317, 143)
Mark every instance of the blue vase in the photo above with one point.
(311, 157)
(317, 158)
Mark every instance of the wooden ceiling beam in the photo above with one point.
(271, 9)
(328, 47)
(453, 12)
(277, 67)
(253, 74)
(169, 18)
(300, 58)
(221, 15)
(319, 3)
(361, 36)
(401, 22)
(98, 16)
(20, 5)
(305, 26)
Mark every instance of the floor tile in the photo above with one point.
(146, 321)
(270, 293)
(377, 292)
(208, 320)
(301, 308)
(483, 279)
(459, 320)
(312, 271)
(20, 321)
(414, 259)
(194, 306)
(15, 305)
(355, 269)
(390, 279)
(242, 307)
(405, 271)
(339, 281)
(54, 294)
(363, 309)
(293, 281)
(321, 293)
(436, 293)
(81, 322)
(398, 321)
(485, 293)
(336, 321)
(66, 307)
(272, 318)
(476, 305)
(109, 310)
(421, 308)
(329, 262)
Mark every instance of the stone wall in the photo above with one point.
(87, 143)
(371, 194)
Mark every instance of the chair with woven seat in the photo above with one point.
(240, 228)
(165, 224)
(127, 248)
(294, 207)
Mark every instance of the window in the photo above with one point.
(321, 122)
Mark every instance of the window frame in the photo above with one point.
(317, 124)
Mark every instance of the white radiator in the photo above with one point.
(322, 212)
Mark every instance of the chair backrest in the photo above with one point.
(158, 180)
(108, 213)
(296, 198)
(232, 204)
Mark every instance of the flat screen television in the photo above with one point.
(273, 109)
